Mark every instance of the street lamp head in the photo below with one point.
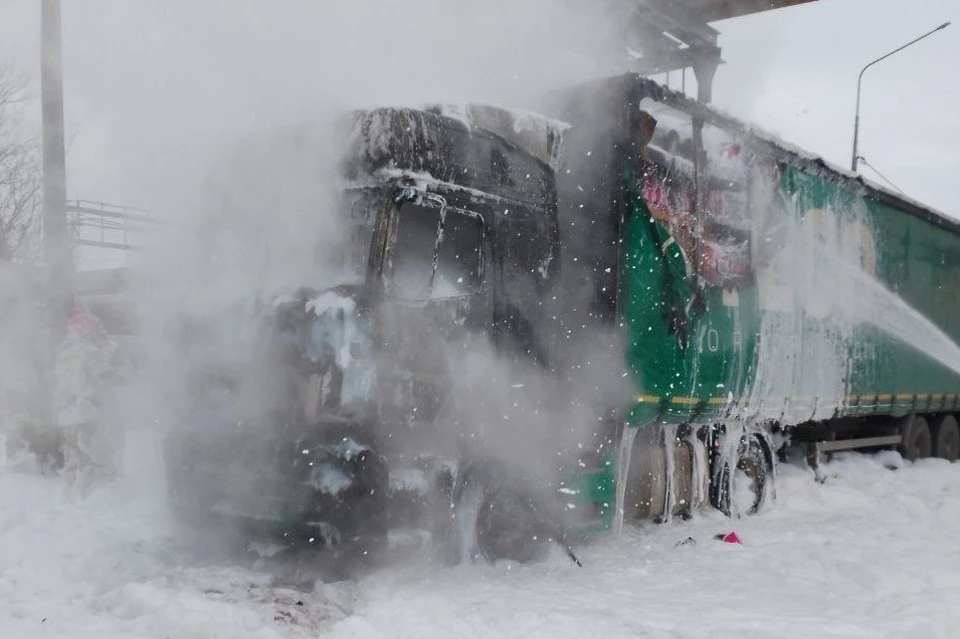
(943, 26)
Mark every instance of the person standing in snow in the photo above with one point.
(86, 368)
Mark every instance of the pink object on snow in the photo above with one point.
(731, 538)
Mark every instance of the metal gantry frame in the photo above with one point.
(671, 35)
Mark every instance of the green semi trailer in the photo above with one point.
(762, 294)
(669, 298)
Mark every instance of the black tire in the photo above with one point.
(509, 519)
(917, 440)
(506, 529)
(946, 438)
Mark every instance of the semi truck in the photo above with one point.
(624, 306)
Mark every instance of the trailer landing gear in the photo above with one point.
(913, 436)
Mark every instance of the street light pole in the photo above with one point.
(856, 121)
(57, 251)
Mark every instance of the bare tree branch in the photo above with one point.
(20, 173)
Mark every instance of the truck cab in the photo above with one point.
(449, 246)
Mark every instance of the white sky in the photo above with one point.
(794, 71)
(154, 87)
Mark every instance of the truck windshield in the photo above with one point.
(434, 255)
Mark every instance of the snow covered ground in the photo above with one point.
(873, 552)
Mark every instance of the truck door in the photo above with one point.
(435, 297)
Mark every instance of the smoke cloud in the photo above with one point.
(232, 129)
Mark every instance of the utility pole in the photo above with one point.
(58, 255)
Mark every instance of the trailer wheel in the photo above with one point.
(917, 440)
(946, 438)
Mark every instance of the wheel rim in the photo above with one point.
(917, 439)
(751, 467)
(922, 442)
(754, 469)
(950, 450)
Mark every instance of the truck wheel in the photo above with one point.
(946, 438)
(917, 440)
(509, 527)
(500, 518)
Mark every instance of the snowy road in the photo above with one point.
(871, 553)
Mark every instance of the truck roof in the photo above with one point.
(533, 133)
(489, 150)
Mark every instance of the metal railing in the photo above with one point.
(108, 226)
